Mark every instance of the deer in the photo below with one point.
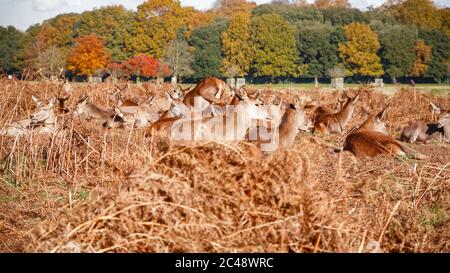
(210, 90)
(328, 122)
(139, 115)
(282, 137)
(177, 107)
(43, 120)
(425, 132)
(232, 126)
(111, 118)
(371, 139)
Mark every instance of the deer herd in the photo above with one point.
(212, 110)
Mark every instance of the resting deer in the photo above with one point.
(371, 139)
(328, 122)
(283, 136)
(41, 121)
(141, 115)
(232, 126)
(422, 132)
(111, 118)
(177, 107)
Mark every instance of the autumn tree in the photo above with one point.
(421, 13)
(235, 45)
(144, 66)
(180, 57)
(445, 19)
(423, 54)
(111, 24)
(50, 44)
(156, 26)
(321, 4)
(273, 45)
(359, 53)
(88, 56)
(230, 7)
(196, 18)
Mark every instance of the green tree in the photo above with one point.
(274, 49)
(111, 24)
(10, 39)
(331, 3)
(344, 16)
(397, 55)
(318, 46)
(439, 41)
(235, 45)
(208, 49)
(359, 53)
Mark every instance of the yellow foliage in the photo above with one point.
(235, 45)
(359, 53)
(423, 54)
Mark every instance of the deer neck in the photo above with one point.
(288, 130)
(446, 130)
(346, 113)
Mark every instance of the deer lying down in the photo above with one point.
(111, 118)
(422, 132)
(232, 126)
(270, 140)
(327, 122)
(372, 139)
(42, 121)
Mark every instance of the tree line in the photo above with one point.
(282, 41)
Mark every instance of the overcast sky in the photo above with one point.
(23, 13)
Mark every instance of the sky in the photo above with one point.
(23, 13)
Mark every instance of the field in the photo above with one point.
(89, 189)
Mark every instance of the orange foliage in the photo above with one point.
(88, 56)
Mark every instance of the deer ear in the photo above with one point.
(169, 97)
(366, 113)
(36, 100)
(150, 100)
(52, 101)
(381, 115)
(435, 108)
(356, 98)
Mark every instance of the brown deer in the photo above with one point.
(111, 118)
(328, 122)
(371, 139)
(43, 120)
(210, 90)
(423, 132)
(282, 137)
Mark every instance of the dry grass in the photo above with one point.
(91, 189)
